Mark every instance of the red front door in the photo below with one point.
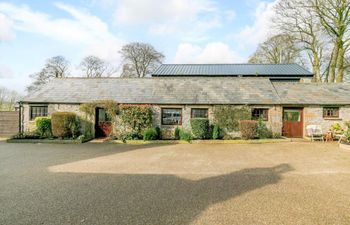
(293, 122)
(103, 125)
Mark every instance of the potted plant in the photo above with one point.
(344, 143)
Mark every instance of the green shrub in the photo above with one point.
(248, 129)
(43, 126)
(177, 133)
(159, 133)
(27, 135)
(336, 127)
(65, 125)
(228, 117)
(200, 128)
(262, 131)
(347, 124)
(216, 132)
(150, 134)
(227, 137)
(136, 117)
(185, 136)
(347, 134)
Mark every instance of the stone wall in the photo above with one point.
(313, 115)
(274, 122)
(29, 125)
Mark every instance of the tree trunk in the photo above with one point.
(340, 64)
(316, 68)
(333, 63)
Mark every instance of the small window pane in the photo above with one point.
(38, 111)
(171, 116)
(291, 115)
(199, 113)
(260, 114)
(331, 112)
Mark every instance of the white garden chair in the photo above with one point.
(315, 132)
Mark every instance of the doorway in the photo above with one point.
(103, 124)
(293, 120)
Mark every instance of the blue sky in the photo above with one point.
(186, 31)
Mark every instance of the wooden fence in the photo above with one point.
(9, 123)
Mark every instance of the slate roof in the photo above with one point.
(268, 70)
(312, 93)
(190, 90)
(198, 90)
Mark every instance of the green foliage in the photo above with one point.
(248, 129)
(228, 117)
(130, 136)
(262, 131)
(111, 108)
(216, 132)
(347, 134)
(137, 118)
(27, 135)
(185, 136)
(43, 126)
(65, 125)
(336, 127)
(159, 133)
(347, 124)
(150, 134)
(200, 128)
(177, 133)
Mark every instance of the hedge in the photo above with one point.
(65, 125)
(150, 134)
(248, 129)
(216, 132)
(43, 126)
(200, 128)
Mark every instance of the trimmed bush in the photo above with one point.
(216, 132)
(43, 126)
(177, 133)
(200, 128)
(248, 129)
(185, 136)
(150, 134)
(65, 125)
(262, 131)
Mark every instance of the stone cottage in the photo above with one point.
(285, 99)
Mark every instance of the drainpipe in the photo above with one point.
(20, 117)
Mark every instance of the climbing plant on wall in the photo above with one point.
(137, 117)
(228, 117)
(110, 106)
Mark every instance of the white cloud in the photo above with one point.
(82, 28)
(262, 27)
(6, 32)
(177, 17)
(215, 52)
(6, 71)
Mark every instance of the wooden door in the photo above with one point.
(103, 124)
(293, 122)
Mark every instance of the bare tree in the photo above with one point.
(334, 16)
(8, 99)
(277, 49)
(141, 59)
(95, 67)
(298, 18)
(55, 67)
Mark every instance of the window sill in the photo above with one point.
(333, 119)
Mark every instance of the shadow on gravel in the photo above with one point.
(130, 199)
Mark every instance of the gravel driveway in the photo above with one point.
(284, 183)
